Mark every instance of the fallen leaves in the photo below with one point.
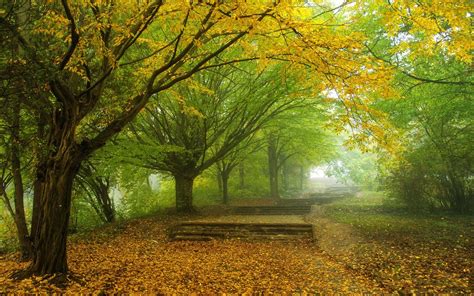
(135, 257)
(404, 253)
(139, 259)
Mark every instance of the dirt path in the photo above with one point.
(334, 238)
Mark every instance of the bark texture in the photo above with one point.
(184, 193)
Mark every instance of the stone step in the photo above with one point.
(273, 210)
(224, 232)
(252, 231)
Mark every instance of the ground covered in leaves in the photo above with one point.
(403, 252)
(361, 247)
(136, 257)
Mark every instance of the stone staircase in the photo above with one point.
(202, 231)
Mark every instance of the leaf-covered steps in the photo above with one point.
(248, 231)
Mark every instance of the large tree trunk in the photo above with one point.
(53, 219)
(55, 176)
(184, 193)
(273, 168)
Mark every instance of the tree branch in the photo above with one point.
(74, 36)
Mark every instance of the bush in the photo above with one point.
(427, 182)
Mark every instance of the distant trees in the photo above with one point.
(296, 136)
(235, 158)
(197, 125)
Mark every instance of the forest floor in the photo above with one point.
(347, 258)
(403, 252)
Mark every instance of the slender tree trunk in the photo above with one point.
(37, 183)
(456, 190)
(273, 168)
(20, 217)
(241, 175)
(105, 200)
(285, 176)
(219, 180)
(225, 187)
(6, 200)
(184, 193)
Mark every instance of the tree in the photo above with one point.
(103, 61)
(234, 158)
(438, 124)
(15, 140)
(428, 48)
(296, 135)
(353, 166)
(96, 186)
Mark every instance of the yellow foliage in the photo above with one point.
(318, 43)
(435, 25)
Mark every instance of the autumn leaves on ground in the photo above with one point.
(355, 250)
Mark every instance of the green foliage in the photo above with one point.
(8, 238)
(255, 183)
(140, 199)
(436, 168)
(83, 217)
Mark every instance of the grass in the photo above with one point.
(405, 251)
(373, 213)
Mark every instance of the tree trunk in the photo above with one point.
(53, 220)
(20, 217)
(184, 193)
(37, 183)
(55, 177)
(456, 190)
(105, 201)
(273, 168)
(225, 187)
(241, 175)
(219, 180)
(285, 176)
